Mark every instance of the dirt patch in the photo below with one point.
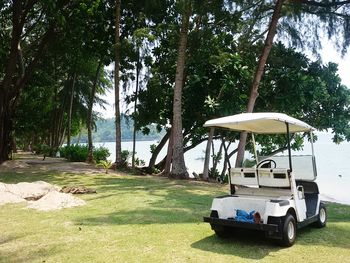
(13, 164)
(39, 195)
(55, 200)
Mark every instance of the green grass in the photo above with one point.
(146, 219)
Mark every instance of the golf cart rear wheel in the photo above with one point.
(322, 216)
(289, 231)
(222, 232)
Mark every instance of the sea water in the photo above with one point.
(332, 160)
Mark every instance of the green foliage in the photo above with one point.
(105, 165)
(79, 153)
(139, 162)
(105, 131)
(214, 173)
(125, 156)
(101, 154)
(74, 153)
(43, 149)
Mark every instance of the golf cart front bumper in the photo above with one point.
(214, 222)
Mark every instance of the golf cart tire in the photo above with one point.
(289, 231)
(222, 232)
(322, 216)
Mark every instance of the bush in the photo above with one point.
(101, 154)
(125, 155)
(42, 149)
(75, 153)
(79, 153)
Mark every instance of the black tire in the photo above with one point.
(222, 232)
(289, 231)
(322, 216)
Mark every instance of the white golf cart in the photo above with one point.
(279, 193)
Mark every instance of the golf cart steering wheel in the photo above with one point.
(266, 162)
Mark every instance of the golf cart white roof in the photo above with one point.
(260, 123)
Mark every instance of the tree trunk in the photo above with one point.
(169, 155)
(90, 157)
(156, 151)
(178, 169)
(207, 155)
(13, 143)
(258, 75)
(118, 137)
(70, 110)
(219, 154)
(138, 66)
(5, 127)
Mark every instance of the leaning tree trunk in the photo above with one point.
(258, 75)
(118, 136)
(138, 67)
(207, 155)
(156, 152)
(178, 169)
(89, 118)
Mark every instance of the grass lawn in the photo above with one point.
(147, 219)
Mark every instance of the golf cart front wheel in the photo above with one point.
(322, 216)
(289, 231)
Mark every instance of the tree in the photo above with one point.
(258, 74)
(327, 11)
(89, 117)
(176, 156)
(18, 69)
(118, 147)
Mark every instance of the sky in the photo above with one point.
(328, 54)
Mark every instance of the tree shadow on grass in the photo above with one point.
(243, 243)
(35, 255)
(254, 245)
(12, 249)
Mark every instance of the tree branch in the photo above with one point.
(320, 4)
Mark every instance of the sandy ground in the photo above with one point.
(41, 195)
(38, 195)
(26, 160)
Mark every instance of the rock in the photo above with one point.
(77, 189)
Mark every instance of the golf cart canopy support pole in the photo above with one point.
(289, 150)
(313, 154)
(254, 146)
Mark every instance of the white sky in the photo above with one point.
(328, 54)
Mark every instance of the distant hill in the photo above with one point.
(105, 132)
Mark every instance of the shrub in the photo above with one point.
(101, 154)
(42, 149)
(75, 153)
(79, 153)
(105, 164)
(139, 162)
(125, 155)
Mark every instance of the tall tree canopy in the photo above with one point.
(53, 55)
